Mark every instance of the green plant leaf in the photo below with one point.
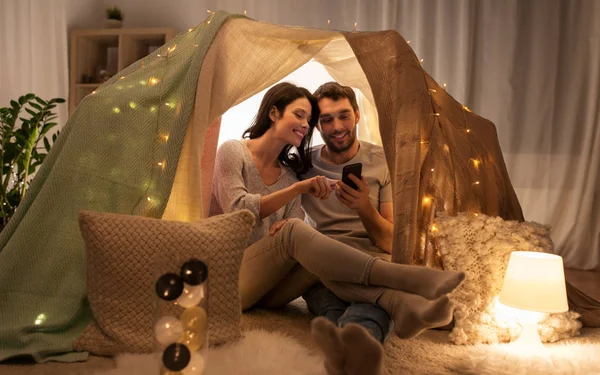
(46, 144)
(41, 101)
(33, 114)
(36, 106)
(14, 104)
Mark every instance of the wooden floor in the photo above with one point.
(587, 281)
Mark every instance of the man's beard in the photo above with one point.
(339, 149)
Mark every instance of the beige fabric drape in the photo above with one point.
(245, 58)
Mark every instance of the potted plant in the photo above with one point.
(114, 18)
(23, 147)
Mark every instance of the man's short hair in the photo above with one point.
(335, 91)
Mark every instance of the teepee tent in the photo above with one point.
(144, 144)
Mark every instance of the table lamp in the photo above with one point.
(534, 282)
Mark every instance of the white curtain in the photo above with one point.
(33, 51)
(530, 66)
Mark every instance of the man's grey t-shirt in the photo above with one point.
(331, 217)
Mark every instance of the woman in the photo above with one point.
(260, 174)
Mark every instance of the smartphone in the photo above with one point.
(355, 169)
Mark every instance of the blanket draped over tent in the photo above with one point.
(144, 144)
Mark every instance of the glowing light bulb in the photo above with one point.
(426, 200)
(121, 77)
(132, 105)
(143, 82)
(93, 92)
(476, 183)
(171, 49)
(475, 162)
(435, 114)
(190, 30)
(148, 198)
(445, 86)
(432, 169)
(408, 42)
(434, 228)
(153, 81)
(116, 110)
(244, 13)
(328, 24)
(466, 108)
(468, 130)
(165, 137)
(432, 90)
(421, 61)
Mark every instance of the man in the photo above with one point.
(361, 218)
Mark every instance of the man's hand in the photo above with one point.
(277, 226)
(354, 199)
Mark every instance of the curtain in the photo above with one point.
(530, 66)
(33, 45)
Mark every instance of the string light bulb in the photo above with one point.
(408, 42)
(132, 105)
(153, 81)
(432, 169)
(153, 108)
(211, 15)
(190, 30)
(434, 228)
(148, 198)
(445, 86)
(435, 114)
(354, 26)
(328, 24)
(468, 130)
(117, 110)
(466, 108)
(244, 13)
(426, 200)
(171, 49)
(433, 90)
(476, 183)
(165, 137)
(421, 61)
(93, 92)
(475, 162)
(122, 77)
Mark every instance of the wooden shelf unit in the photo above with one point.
(111, 49)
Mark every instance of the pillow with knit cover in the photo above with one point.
(480, 246)
(125, 255)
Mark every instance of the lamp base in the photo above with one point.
(529, 338)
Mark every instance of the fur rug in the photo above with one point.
(566, 359)
(259, 352)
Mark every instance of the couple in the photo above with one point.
(342, 267)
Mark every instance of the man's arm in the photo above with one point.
(378, 223)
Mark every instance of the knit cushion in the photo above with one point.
(480, 246)
(126, 255)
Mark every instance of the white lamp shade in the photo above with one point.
(536, 282)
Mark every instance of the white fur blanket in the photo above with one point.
(258, 353)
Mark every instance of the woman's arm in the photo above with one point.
(232, 193)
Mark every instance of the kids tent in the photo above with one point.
(144, 144)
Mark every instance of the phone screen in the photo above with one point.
(355, 169)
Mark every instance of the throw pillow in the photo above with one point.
(125, 256)
(480, 246)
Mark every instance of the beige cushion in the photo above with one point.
(480, 246)
(127, 254)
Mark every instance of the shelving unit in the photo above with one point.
(112, 50)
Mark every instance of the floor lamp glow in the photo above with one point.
(534, 282)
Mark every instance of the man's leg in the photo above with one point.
(323, 302)
(372, 317)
